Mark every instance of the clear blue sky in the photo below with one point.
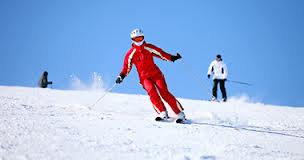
(262, 42)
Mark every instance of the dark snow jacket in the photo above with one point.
(43, 82)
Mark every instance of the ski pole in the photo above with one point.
(239, 82)
(101, 97)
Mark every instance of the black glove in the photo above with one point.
(208, 76)
(174, 58)
(120, 78)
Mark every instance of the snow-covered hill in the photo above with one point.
(53, 124)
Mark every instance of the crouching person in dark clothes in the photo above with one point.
(43, 82)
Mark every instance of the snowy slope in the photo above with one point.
(52, 124)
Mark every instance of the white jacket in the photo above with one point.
(219, 70)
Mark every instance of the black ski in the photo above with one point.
(159, 119)
(179, 121)
(169, 119)
(183, 121)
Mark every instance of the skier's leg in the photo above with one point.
(157, 103)
(223, 90)
(214, 89)
(167, 96)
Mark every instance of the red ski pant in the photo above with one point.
(157, 87)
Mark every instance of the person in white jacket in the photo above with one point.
(220, 72)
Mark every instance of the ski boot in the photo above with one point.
(162, 116)
(181, 118)
(224, 100)
(214, 99)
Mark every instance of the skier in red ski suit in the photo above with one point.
(151, 78)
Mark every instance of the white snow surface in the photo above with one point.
(48, 124)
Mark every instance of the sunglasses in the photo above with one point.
(138, 39)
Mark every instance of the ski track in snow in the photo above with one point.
(52, 124)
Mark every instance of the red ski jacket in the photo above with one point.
(142, 57)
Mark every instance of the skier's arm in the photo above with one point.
(210, 69)
(158, 52)
(127, 66)
(225, 71)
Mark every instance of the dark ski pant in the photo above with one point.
(222, 87)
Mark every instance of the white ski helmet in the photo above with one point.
(137, 33)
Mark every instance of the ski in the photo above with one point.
(159, 119)
(183, 121)
(179, 121)
(170, 119)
